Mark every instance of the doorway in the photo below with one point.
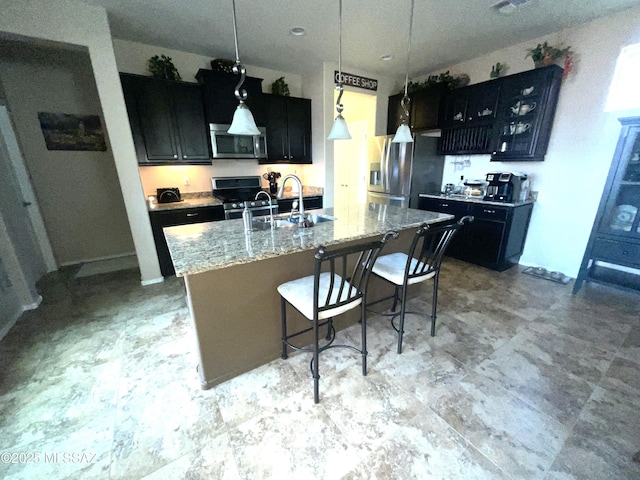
(21, 260)
(350, 156)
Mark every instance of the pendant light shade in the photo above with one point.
(403, 134)
(243, 122)
(339, 131)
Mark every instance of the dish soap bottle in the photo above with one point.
(247, 218)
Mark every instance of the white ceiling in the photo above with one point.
(445, 32)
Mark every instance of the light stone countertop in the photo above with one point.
(464, 198)
(208, 246)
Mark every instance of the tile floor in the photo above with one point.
(522, 381)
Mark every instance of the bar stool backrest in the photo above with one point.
(349, 268)
(428, 247)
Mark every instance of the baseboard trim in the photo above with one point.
(153, 281)
(97, 259)
(12, 321)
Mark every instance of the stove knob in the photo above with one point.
(233, 205)
(253, 204)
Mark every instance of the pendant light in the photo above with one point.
(339, 131)
(403, 134)
(243, 122)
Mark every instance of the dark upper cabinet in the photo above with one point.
(525, 114)
(509, 118)
(220, 100)
(424, 109)
(288, 123)
(468, 119)
(476, 104)
(167, 120)
(615, 236)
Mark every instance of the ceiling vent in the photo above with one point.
(507, 7)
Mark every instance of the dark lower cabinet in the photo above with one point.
(456, 248)
(179, 216)
(310, 203)
(496, 237)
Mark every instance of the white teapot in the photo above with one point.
(523, 108)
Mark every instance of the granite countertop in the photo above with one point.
(206, 199)
(464, 198)
(208, 246)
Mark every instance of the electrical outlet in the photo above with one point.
(186, 181)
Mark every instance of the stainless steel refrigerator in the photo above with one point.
(400, 172)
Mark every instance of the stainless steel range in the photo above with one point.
(235, 192)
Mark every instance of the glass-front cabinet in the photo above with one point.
(615, 237)
(525, 114)
(621, 212)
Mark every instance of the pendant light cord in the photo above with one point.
(405, 100)
(340, 86)
(238, 68)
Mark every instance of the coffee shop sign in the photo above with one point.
(356, 81)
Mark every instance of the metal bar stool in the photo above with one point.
(420, 264)
(338, 284)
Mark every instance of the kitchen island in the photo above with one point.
(231, 278)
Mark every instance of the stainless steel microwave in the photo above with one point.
(225, 145)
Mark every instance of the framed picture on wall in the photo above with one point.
(64, 131)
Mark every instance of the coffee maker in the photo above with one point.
(507, 187)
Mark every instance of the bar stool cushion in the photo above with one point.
(391, 267)
(299, 293)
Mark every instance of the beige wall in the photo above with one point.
(71, 22)
(571, 179)
(77, 191)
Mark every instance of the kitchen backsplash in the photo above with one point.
(197, 178)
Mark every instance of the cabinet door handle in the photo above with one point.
(488, 211)
(192, 214)
(184, 156)
(625, 252)
(175, 156)
(444, 204)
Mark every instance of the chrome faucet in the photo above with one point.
(303, 222)
(270, 206)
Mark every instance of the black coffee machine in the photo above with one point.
(507, 187)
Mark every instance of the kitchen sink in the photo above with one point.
(285, 221)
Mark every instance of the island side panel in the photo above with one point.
(236, 310)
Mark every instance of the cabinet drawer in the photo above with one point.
(459, 209)
(617, 252)
(489, 212)
(185, 216)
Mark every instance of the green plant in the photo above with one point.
(496, 70)
(280, 87)
(433, 80)
(222, 65)
(162, 67)
(544, 54)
